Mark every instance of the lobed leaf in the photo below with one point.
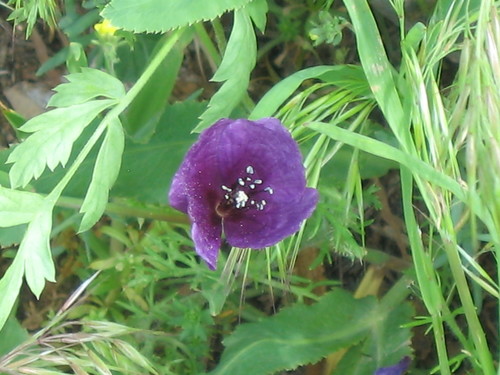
(147, 168)
(17, 207)
(86, 85)
(105, 173)
(158, 16)
(234, 69)
(10, 284)
(54, 134)
(35, 251)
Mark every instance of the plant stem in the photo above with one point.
(156, 213)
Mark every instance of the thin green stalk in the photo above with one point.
(155, 213)
(475, 328)
(426, 277)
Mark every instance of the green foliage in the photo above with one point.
(155, 16)
(92, 347)
(51, 145)
(105, 150)
(304, 334)
(144, 113)
(85, 85)
(31, 10)
(234, 70)
(106, 170)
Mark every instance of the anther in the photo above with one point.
(250, 169)
(269, 190)
(241, 182)
(258, 182)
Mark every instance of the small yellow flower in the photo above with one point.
(105, 28)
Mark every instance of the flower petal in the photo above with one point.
(207, 240)
(397, 369)
(194, 192)
(264, 228)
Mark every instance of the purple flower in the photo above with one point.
(246, 179)
(398, 369)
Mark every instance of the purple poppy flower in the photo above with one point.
(246, 179)
(397, 369)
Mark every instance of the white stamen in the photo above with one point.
(248, 179)
(258, 182)
(225, 188)
(263, 202)
(252, 186)
(241, 199)
(252, 202)
(241, 182)
(250, 169)
(269, 190)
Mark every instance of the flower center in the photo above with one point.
(245, 193)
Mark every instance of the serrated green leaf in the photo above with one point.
(298, 335)
(158, 16)
(35, 250)
(17, 207)
(84, 86)
(105, 173)
(234, 69)
(10, 284)
(147, 168)
(54, 134)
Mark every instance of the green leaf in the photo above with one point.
(17, 207)
(347, 76)
(105, 173)
(158, 16)
(298, 335)
(379, 71)
(35, 251)
(16, 120)
(145, 111)
(12, 235)
(386, 151)
(387, 343)
(147, 168)
(258, 12)
(10, 284)
(84, 86)
(234, 69)
(15, 333)
(54, 134)
(77, 59)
